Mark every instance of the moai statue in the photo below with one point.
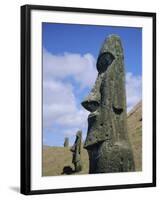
(107, 140)
(76, 149)
(66, 142)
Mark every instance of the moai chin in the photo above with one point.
(76, 149)
(66, 142)
(107, 140)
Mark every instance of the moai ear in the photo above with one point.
(104, 60)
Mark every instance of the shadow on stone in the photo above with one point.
(67, 170)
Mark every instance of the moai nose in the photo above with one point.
(90, 105)
(92, 101)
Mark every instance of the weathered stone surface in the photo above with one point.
(66, 142)
(76, 149)
(107, 138)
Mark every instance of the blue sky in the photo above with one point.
(69, 71)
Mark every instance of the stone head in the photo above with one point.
(99, 101)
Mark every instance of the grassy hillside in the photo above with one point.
(135, 134)
(58, 160)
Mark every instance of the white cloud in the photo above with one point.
(81, 67)
(59, 101)
(59, 106)
(55, 91)
(133, 90)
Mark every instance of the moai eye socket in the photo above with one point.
(104, 60)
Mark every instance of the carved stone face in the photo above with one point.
(105, 99)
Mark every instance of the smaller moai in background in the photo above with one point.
(66, 142)
(76, 150)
